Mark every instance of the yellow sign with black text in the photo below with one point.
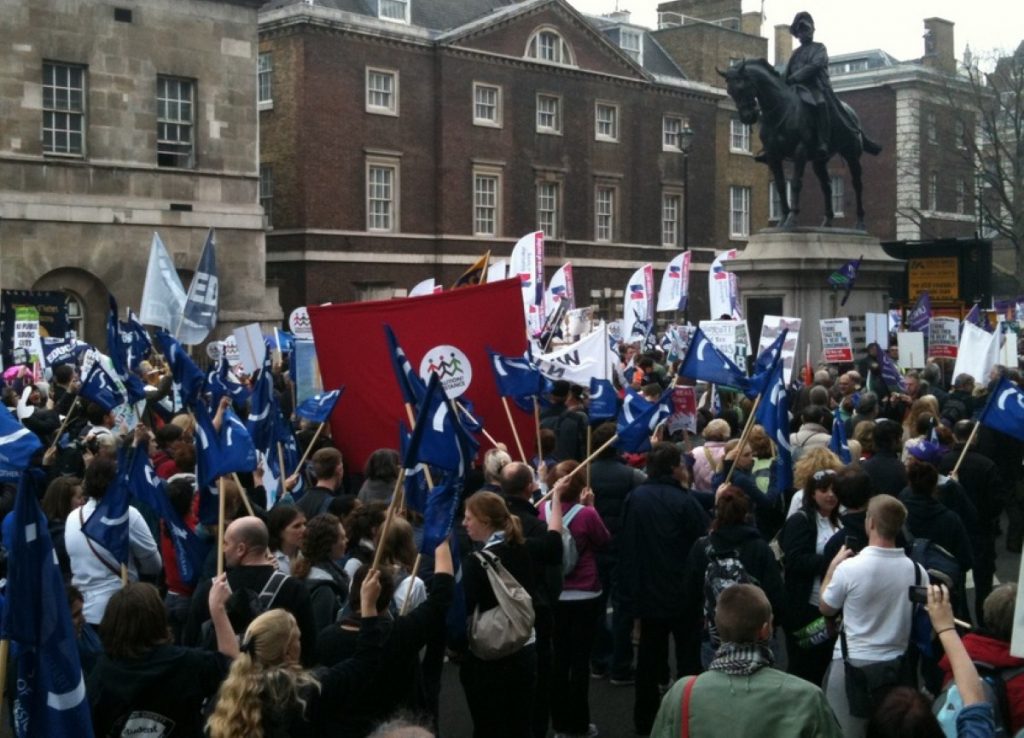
(939, 277)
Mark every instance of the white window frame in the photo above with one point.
(613, 123)
(739, 211)
(933, 193)
(558, 51)
(405, 4)
(838, 194)
(496, 121)
(774, 204)
(556, 129)
(549, 207)
(931, 127)
(373, 107)
(265, 80)
(672, 127)
(739, 136)
(606, 200)
(636, 53)
(486, 201)
(960, 133)
(267, 194)
(671, 217)
(62, 117)
(176, 115)
(392, 210)
(961, 195)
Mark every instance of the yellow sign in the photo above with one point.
(940, 277)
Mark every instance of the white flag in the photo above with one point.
(978, 353)
(560, 289)
(527, 263)
(675, 284)
(163, 297)
(721, 287)
(497, 271)
(579, 362)
(638, 302)
(426, 287)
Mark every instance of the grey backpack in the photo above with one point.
(570, 554)
(502, 630)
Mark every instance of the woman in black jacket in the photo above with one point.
(803, 540)
(739, 554)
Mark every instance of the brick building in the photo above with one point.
(120, 120)
(403, 144)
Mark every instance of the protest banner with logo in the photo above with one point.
(911, 345)
(589, 358)
(836, 340)
(772, 326)
(443, 331)
(51, 316)
(298, 321)
(26, 332)
(731, 337)
(723, 287)
(684, 410)
(943, 337)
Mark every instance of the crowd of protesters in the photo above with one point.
(690, 561)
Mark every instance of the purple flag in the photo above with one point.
(918, 318)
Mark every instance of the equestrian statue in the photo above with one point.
(801, 120)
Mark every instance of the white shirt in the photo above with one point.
(96, 581)
(872, 590)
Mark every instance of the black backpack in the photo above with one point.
(244, 605)
(724, 569)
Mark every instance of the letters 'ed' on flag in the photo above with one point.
(199, 314)
(318, 408)
(1004, 410)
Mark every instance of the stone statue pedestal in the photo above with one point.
(789, 270)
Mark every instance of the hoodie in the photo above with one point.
(993, 652)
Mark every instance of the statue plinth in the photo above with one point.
(791, 267)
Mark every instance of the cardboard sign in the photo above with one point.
(26, 332)
(876, 329)
(911, 347)
(684, 410)
(836, 341)
(731, 337)
(251, 348)
(943, 337)
(772, 326)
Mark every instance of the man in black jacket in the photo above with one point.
(328, 470)
(662, 521)
(888, 475)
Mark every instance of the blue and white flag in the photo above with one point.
(108, 524)
(1004, 410)
(439, 438)
(773, 415)
(409, 382)
(17, 445)
(136, 340)
(891, 373)
(119, 350)
(706, 363)
(638, 418)
(604, 402)
(765, 365)
(50, 695)
(224, 452)
(675, 284)
(189, 379)
(101, 386)
(220, 382)
(318, 408)
(917, 319)
(199, 316)
(57, 351)
(516, 377)
(439, 516)
(839, 445)
(417, 487)
(283, 446)
(263, 405)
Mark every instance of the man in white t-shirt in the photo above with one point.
(871, 590)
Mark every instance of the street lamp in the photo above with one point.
(685, 143)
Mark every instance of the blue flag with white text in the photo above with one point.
(223, 452)
(200, 315)
(119, 348)
(773, 415)
(917, 319)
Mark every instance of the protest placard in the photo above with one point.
(26, 332)
(731, 337)
(684, 410)
(836, 341)
(772, 326)
(943, 337)
(911, 345)
(251, 348)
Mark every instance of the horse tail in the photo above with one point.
(869, 146)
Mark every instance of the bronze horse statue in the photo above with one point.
(788, 132)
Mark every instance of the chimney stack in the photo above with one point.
(783, 44)
(938, 45)
(750, 23)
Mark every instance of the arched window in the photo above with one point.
(547, 45)
(75, 313)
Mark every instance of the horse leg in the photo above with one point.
(821, 171)
(779, 177)
(853, 162)
(799, 162)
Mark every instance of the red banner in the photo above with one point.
(447, 333)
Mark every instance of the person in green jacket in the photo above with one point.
(741, 694)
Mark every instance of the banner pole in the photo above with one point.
(221, 494)
(589, 449)
(743, 437)
(959, 461)
(309, 448)
(245, 496)
(67, 419)
(387, 519)
(488, 436)
(412, 581)
(515, 433)
(582, 464)
(536, 425)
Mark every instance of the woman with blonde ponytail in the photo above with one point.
(267, 692)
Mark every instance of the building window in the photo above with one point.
(381, 195)
(547, 45)
(739, 212)
(486, 105)
(671, 218)
(175, 106)
(486, 203)
(931, 128)
(549, 114)
(606, 122)
(961, 195)
(267, 194)
(264, 72)
(739, 136)
(604, 213)
(632, 42)
(63, 108)
(548, 208)
(393, 10)
(774, 204)
(933, 192)
(381, 91)
(672, 132)
(838, 194)
(76, 316)
(960, 132)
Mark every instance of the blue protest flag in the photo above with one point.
(17, 445)
(108, 524)
(773, 415)
(220, 384)
(50, 695)
(705, 362)
(57, 351)
(845, 277)
(440, 439)
(1004, 410)
(136, 340)
(282, 341)
(765, 365)
(839, 445)
(222, 452)
(318, 408)
(409, 381)
(200, 313)
(918, 318)
(284, 437)
(516, 376)
(260, 421)
(189, 380)
(118, 346)
(417, 488)
(439, 516)
(891, 373)
(100, 386)
(604, 402)
(975, 317)
(637, 420)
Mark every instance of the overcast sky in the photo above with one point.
(895, 26)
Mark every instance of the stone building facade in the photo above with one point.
(121, 119)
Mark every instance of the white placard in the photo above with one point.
(772, 326)
(876, 329)
(911, 347)
(230, 348)
(251, 348)
(836, 340)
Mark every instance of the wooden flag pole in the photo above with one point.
(221, 509)
(124, 575)
(5, 649)
(536, 424)
(67, 419)
(589, 449)
(582, 464)
(959, 461)
(309, 448)
(395, 496)
(412, 581)
(245, 496)
(743, 437)
(280, 461)
(515, 433)
(462, 408)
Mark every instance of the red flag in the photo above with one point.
(447, 332)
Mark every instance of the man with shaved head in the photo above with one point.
(250, 573)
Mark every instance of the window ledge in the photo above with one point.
(382, 111)
(265, 105)
(484, 123)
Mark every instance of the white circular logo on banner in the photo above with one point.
(451, 365)
(298, 321)
(214, 349)
(230, 349)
